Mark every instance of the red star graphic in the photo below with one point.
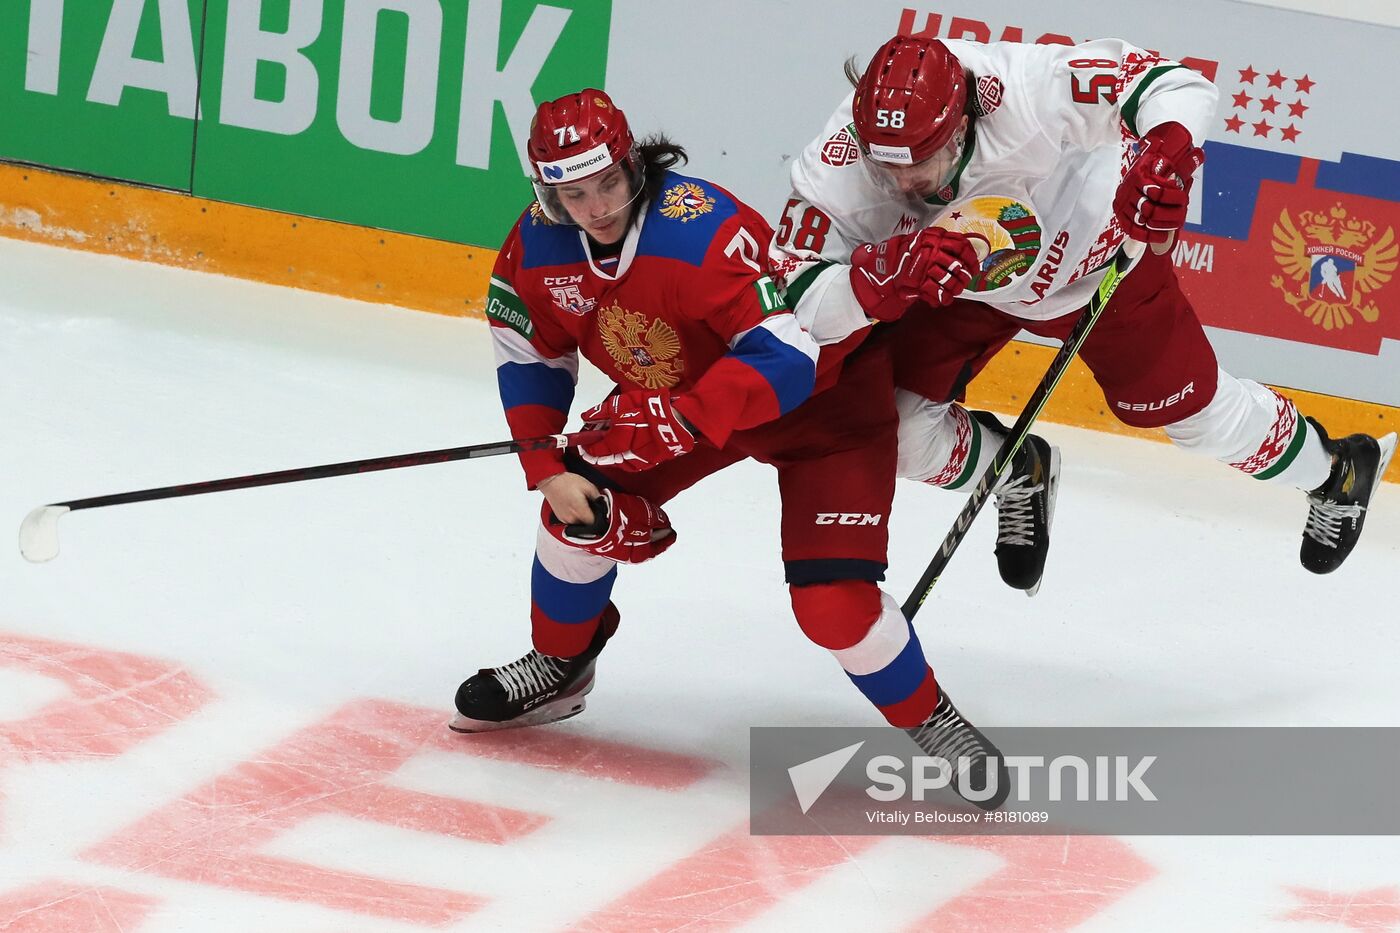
(1242, 100)
(1290, 133)
(1248, 75)
(1276, 79)
(1233, 124)
(1261, 128)
(956, 215)
(1305, 84)
(1377, 909)
(1297, 108)
(1268, 103)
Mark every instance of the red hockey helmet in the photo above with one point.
(909, 101)
(576, 137)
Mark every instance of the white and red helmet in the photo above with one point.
(575, 137)
(910, 100)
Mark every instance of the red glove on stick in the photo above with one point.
(1152, 198)
(644, 429)
(932, 265)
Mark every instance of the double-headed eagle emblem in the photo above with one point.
(647, 351)
(1335, 262)
(685, 202)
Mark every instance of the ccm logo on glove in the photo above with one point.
(643, 429)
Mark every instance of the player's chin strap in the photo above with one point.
(1122, 262)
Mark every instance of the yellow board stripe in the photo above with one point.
(447, 278)
(268, 246)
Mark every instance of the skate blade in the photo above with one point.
(1388, 444)
(557, 711)
(1050, 495)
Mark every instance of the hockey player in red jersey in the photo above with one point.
(1040, 160)
(661, 281)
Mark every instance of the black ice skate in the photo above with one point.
(1025, 507)
(947, 735)
(1337, 508)
(536, 689)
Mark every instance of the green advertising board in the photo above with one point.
(105, 87)
(403, 114)
(408, 115)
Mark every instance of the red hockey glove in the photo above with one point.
(1151, 201)
(932, 265)
(625, 528)
(644, 429)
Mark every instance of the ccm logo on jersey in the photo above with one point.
(1167, 402)
(848, 518)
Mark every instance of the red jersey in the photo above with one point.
(688, 307)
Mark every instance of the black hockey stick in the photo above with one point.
(1122, 262)
(38, 536)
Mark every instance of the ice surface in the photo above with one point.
(227, 712)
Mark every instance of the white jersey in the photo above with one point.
(1056, 129)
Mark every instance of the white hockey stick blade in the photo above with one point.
(38, 536)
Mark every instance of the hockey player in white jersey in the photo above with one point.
(966, 191)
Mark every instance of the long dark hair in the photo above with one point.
(852, 72)
(659, 155)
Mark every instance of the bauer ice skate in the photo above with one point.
(1337, 508)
